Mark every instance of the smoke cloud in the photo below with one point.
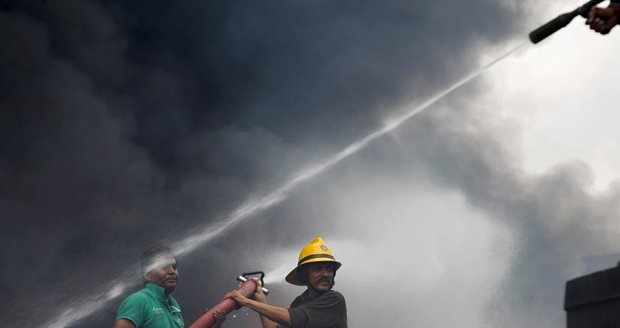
(127, 124)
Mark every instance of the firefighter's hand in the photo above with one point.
(602, 20)
(259, 296)
(219, 318)
(237, 297)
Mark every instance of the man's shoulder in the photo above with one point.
(134, 307)
(334, 294)
(330, 297)
(137, 297)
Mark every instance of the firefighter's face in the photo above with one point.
(165, 276)
(321, 276)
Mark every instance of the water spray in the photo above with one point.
(84, 308)
(247, 289)
(561, 21)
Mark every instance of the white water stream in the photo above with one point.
(82, 308)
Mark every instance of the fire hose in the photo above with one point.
(247, 289)
(561, 21)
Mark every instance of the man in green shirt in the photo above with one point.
(154, 306)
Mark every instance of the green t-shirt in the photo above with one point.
(150, 308)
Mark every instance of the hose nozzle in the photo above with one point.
(560, 22)
(227, 305)
(243, 278)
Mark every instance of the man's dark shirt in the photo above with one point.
(328, 310)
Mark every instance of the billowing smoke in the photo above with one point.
(126, 124)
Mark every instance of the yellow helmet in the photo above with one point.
(315, 251)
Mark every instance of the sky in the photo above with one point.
(129, 124)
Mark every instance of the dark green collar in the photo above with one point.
(159, 293)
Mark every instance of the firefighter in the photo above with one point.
(317, 307)
(602, 20)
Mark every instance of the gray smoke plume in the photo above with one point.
(126, 124)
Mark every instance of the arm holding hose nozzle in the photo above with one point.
(247, 288)
(269, 314)
(602, 20)
(561, 21)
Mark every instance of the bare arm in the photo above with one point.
(269, 314)
(123, 323)
(266, 322)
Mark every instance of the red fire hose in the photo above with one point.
(247, 289)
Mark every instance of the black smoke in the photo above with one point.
(126, 124)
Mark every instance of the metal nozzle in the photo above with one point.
(242, 278)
